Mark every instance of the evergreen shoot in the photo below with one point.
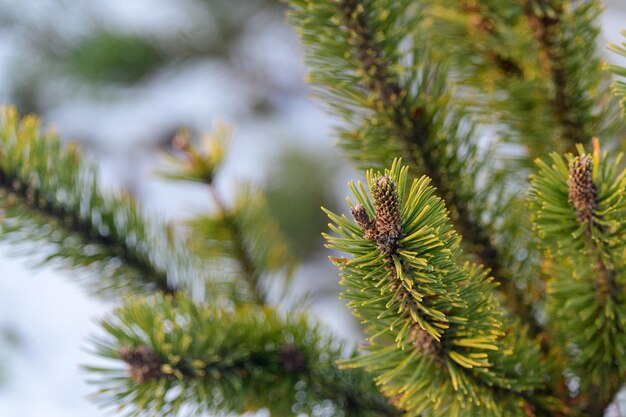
(176, 357)
(579, 204)
(436, 334)
(49, 194)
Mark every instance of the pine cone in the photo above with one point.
(582, 190)
(363, 220)
(388, 221)
(144, 363)
(386, 228)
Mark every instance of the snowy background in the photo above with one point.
(256, 85)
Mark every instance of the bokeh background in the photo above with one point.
(121, 77)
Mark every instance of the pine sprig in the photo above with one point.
(392, 99)
(578, 212)
(49, 195)
(436, 341)
(245, 238)
(532, 67)
(567, 35)
(371, 64)
(175, 357)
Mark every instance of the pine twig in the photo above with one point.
(583, 194)
(200, 163)
(412, 129)
(580, 98)
(64, 195)
(578, 217)
(422, 310)
(237, 361)
(250, 272)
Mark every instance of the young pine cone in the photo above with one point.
(363, 220)
(582, 190)
(386, 228)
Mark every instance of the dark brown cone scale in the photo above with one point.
(144, 363)
(582, 190)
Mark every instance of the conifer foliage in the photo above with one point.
(435, 328)
(48, 194)
(175, 357)
(579, 205)
(480, 292)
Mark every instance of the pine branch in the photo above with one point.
(568, 41)
(247, 233)
(246, 238)
(396, 101)
(488, 28)
(436, 345)
(533, 66)
(250, 272)
(579, 217)
(532, 70)
(48, 194)
(236, 361)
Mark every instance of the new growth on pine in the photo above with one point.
(582, 190)
(385, 228)
(487, 274)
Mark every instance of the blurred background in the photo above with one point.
(121, 77)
